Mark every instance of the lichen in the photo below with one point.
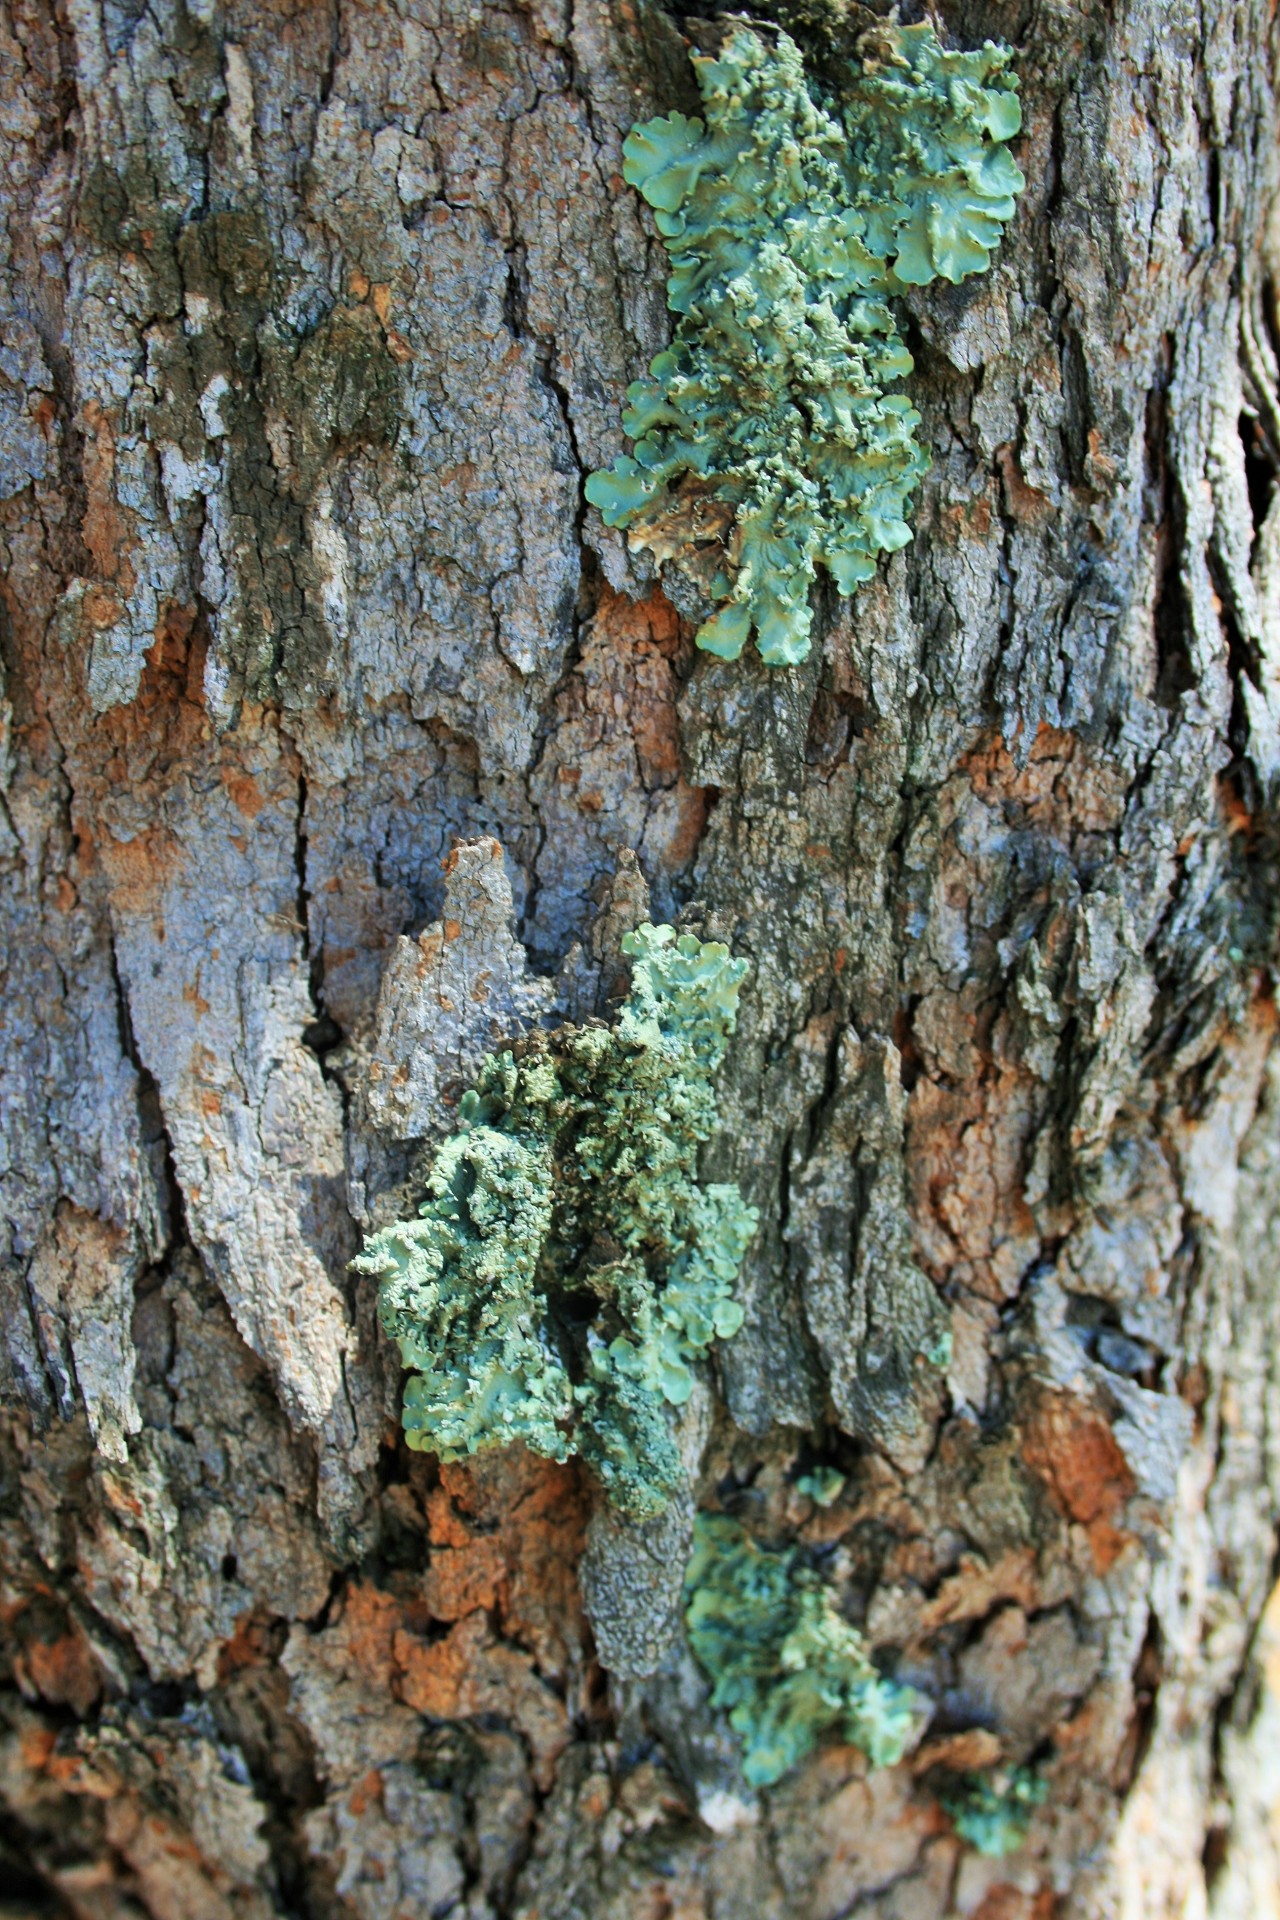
(792, 218)
(993, 1811)
(782, 1659)
(823, 1485)
(566, 1269)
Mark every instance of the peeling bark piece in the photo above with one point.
(219, 1007)
(449, 997)
(633, 1583)
(84, 1272)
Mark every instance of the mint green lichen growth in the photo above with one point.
(792, 218)
(993, 1812)
(566, 1270)
(787, 1666)
(822, 1485)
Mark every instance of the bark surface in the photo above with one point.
(341, 740)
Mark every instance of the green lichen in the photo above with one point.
(993, 1811)
(566, 1270)
(783, 1661)
(822, 1485)
(792, 218)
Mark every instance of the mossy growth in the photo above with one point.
(566, 1269)
(768, 440)
(781, 1658)
(993, 1811)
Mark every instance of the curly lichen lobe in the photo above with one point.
(782, 1659)
(767, 434)
(567, 1270)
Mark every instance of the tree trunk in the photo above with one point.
(344, 741)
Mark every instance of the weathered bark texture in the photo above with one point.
(316, 316)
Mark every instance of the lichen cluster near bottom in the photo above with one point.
(789, 1668)
(780, 1657)
(993, 1812)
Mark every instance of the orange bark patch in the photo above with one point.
(507, 1532)
(966, 520)
(101, 608)
(62, 1671)
(469, 1672)
(966, 1156)
(164, 728)
(244, 791)
(1074, 1452)
(1064, 789)
(370, 1622)
(461, 1578)
(616, 737)
(249, 1646)
(107, 527)
(976, 1106)
(35, 1746)
(1023, 503)
(1010, 1903)
(367, 1793)
(435, 1679)
(644, 628)
(683, 842)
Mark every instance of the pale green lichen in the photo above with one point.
(566, 1269)
(782, 1660)
(822, 1485)
(993, 1811)
(792, 218)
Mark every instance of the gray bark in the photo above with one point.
(315, 318)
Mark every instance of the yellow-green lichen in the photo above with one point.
(792, 218)
(782, 1660)
(566, 1269)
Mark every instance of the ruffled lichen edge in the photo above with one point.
(566, 1269)
(768, 439)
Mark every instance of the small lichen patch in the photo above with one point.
(782, 1659)
(566, 1269)
(993, 1812)
(823, 1485)
(791, 219)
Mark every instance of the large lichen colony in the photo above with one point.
(767, 433)
(783, 1661)
(566, 1268)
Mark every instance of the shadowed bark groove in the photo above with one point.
(313, 321)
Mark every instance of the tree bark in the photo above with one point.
(343, 741)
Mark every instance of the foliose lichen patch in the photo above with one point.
(567, 1269)
(768, 440)
(993, 1811)
(782, 1659)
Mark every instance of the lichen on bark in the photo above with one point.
(566, 1269)
(792, 219)
(782, 1661)
(1002, 850)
